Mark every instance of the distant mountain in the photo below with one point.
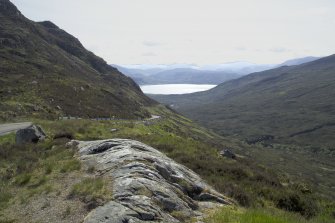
(45, 71)
(287, 104)
(187, 73)
(240, 67)
(192, 74)
(182, 75)
(298, 61)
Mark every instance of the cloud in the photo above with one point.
(279, 50)
(151, 43)
(149, 54)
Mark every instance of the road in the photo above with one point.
(11, 127)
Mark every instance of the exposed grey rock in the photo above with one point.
(147, 185)
(32, 134)
(228, 153)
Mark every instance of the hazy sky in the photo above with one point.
(193, 31)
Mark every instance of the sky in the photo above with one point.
(193, 31)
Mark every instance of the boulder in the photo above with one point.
(228, 153)
(147, 186)
(32, 134)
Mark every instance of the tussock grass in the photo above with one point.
(235, 215)
(92, 188)
(29, 170)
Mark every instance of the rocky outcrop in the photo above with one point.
(147, 185)
(32, 134)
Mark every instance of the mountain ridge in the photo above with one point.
(38, 60)
(193, 74)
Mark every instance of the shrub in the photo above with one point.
(22, 179)
(66, 135)
(294, 202)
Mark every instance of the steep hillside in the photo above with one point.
(292, 104)
(45, 71)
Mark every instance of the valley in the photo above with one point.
(285, 112)
(85, 141)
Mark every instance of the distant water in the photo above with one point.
(175, 88)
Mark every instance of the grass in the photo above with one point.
(250, 184)
(287, 103)
(44, 63)
(29, 170)
(236, 215)
(94, 188)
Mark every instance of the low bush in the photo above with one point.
(294, 202)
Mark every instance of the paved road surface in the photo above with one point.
(11, 127)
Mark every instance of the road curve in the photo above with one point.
(11, 127)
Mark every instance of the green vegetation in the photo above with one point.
(30, 169)
(250, 184)
(286, 114)
(27, 171)
(36, 169)
(288, 103)
(235, 215)
(92, 188)
(47, 73)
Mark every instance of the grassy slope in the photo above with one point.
(46, 72)
(282, 102)
(250, 184)
(238, 215)
(279, 102)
